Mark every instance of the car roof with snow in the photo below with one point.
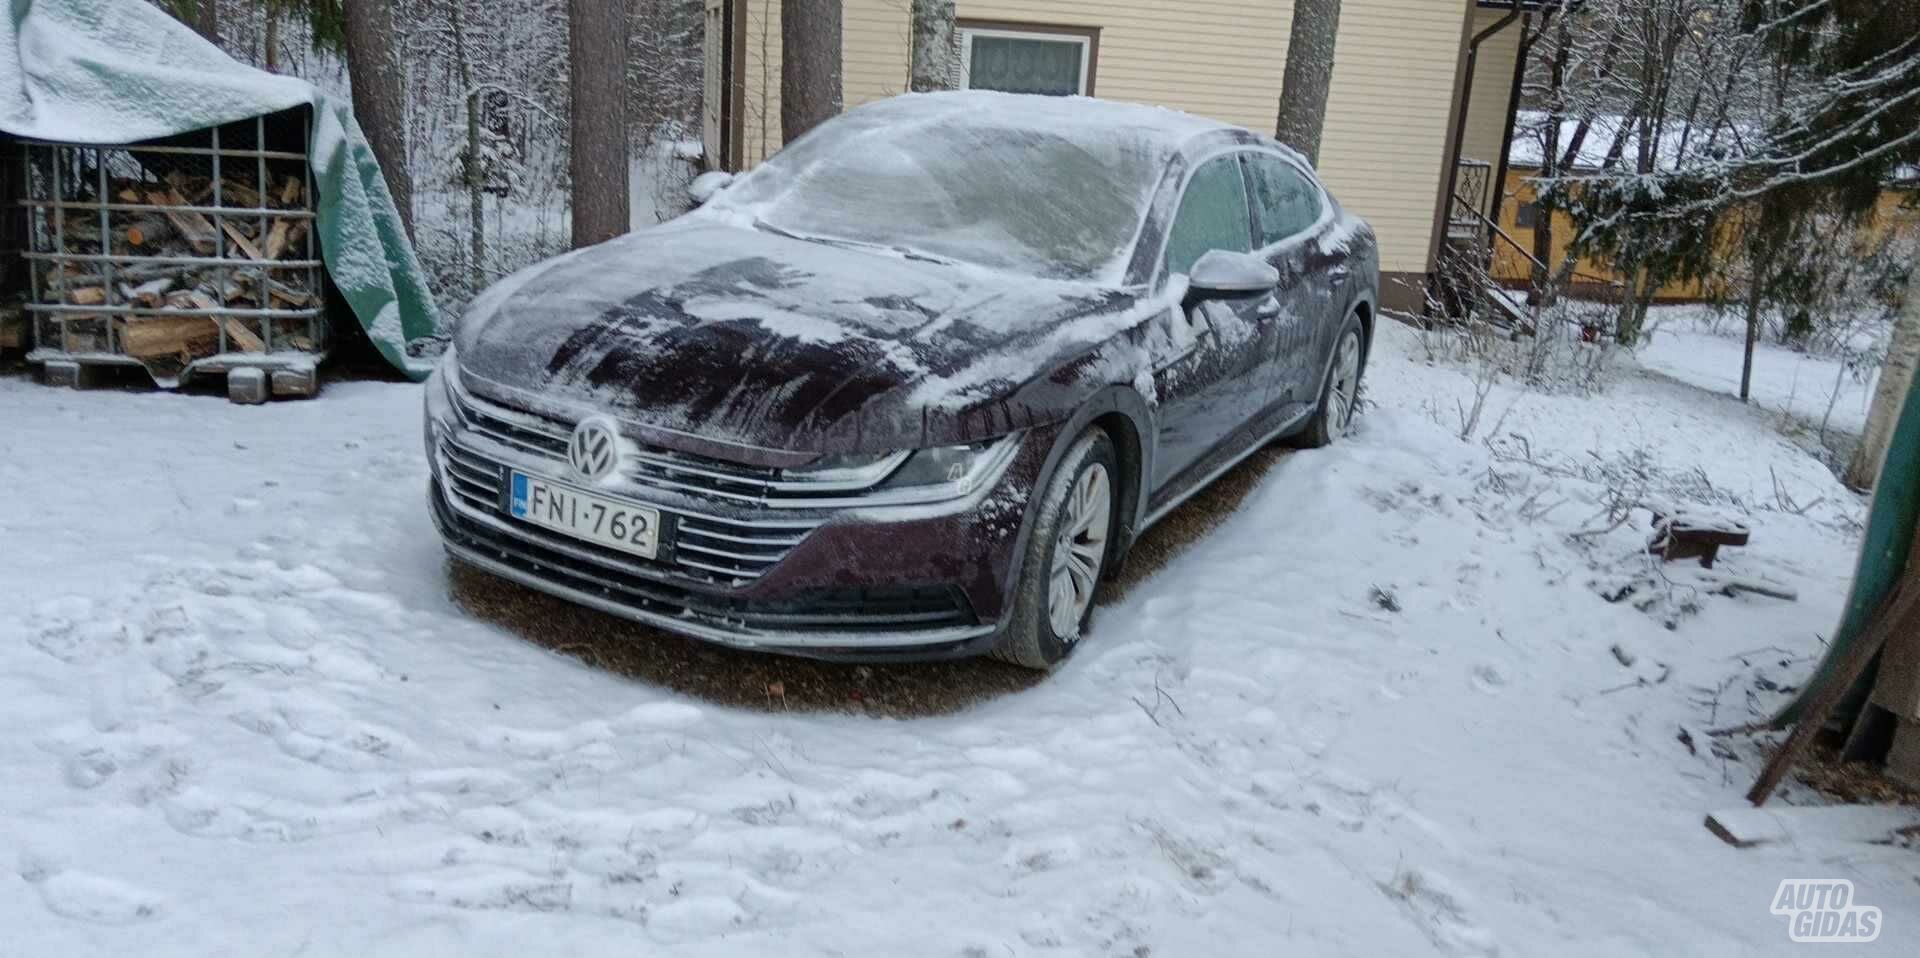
(1078, 118)
(1054, 187)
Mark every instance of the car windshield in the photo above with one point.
(1009, 197)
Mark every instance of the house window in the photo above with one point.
(1527, 216)
(1052, 61)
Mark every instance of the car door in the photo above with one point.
(1290, 212)
(1210, 365)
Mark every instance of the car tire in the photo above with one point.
(1340, 392)
(1078, 512)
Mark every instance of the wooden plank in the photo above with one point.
(153, 292)
(240, 239)
(161, 336)
(1802, 824)
(148, 231)
(1903, 758)
(87, 296)
(191, 225)
(13, 329)
(238, 335)
(277, 238)
(1901, 612)
(290, 191)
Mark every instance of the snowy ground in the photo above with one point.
(244, 717)
(1708, 355)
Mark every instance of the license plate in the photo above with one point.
(583, 515)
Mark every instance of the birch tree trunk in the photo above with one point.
(470, 171)
(810, 81)
(1896, 377)
(933, 46)
(1303, 90)
(378, 96)
(597, 156)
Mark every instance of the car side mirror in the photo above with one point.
(1226, 273)
(708, 185)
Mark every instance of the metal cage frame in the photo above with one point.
(52, 204)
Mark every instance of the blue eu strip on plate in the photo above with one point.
(519, 504)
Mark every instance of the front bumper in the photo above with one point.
(872, 583)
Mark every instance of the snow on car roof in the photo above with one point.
(1074, 117)
(1052, 187)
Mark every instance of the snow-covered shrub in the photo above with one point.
(1569, 352)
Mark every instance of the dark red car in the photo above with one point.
(910, 388)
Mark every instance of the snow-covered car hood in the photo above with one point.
(707, 328)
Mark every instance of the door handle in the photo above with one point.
(1338, 274)
(1268, 309)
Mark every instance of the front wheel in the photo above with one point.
(1066, 555)
(1340, 396)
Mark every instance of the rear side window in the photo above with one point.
(1289, 203)
(1213, 215)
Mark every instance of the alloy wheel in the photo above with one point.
(1345, 391)
(1079, 549)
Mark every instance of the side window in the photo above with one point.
(1289, 203)
(1213, 215)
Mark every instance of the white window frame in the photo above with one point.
(1084, 42)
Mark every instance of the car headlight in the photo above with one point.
(950, 472)
(905, 476)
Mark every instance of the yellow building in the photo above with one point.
(1519, 215)
(1398, 113)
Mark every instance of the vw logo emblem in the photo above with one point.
(594, 449)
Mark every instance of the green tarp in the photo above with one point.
(1883, 551)
(117, 71)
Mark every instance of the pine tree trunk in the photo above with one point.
(1762, 263)
(933, 46)
(1896, 378)
(206, 20)
(810, 82)
(1309, 75)
(597, 32)
(379, 102)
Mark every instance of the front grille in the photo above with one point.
(574, 566)
(705, 548)
(732, 483)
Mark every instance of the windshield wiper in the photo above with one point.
(905, 252)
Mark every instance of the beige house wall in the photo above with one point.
(1492, 87)
(1384, 147)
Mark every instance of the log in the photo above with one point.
(238, 335)
(191, 225)
(161, 336)
(148, 232)
(87, 296)
(13, 329)
(152, 293)
(238, 194)
(191, 299)
(290, 191)
(282, 293)
(277, 238)
(197, 188)
(241, 240)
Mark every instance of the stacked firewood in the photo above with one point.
(190, 296)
